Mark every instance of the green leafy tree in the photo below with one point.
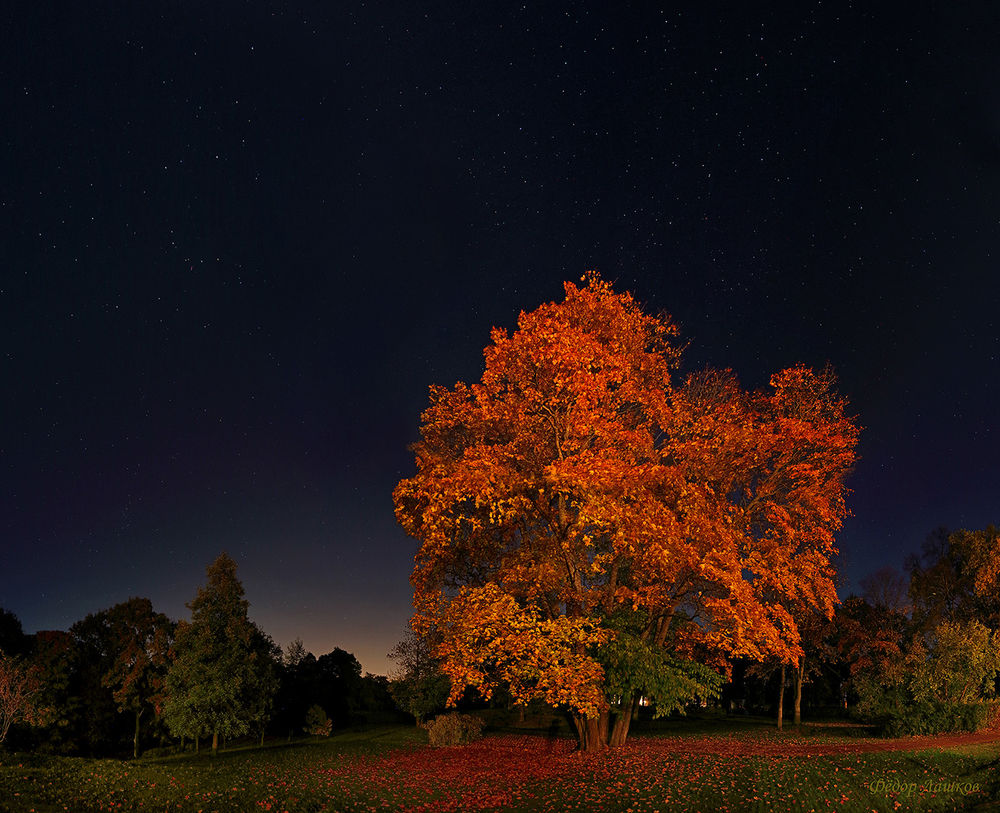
(217, 682)
(636, 670)
(263, 681)
(957, 663)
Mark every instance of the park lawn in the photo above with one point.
(392, 769)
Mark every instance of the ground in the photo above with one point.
(722, 766)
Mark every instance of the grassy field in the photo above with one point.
(700, 766)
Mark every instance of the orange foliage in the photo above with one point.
(578, 478)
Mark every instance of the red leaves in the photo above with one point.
(20, 690)
(575, 479)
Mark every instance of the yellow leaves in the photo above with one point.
(488, 638)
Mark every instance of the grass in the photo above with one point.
(516, 769)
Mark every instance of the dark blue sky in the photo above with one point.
(239, 240)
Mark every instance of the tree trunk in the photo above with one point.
(215, 741)
(620, 731)
(592, 731)
(798, 675)
(262, 738)
(781, 695)
(135, 739)
(197, 743)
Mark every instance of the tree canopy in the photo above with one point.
(222, 678)
(582, 480)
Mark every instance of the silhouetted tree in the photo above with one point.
(887, 588)
(340, 685)
(141, 640)
(13, 641)
(98, 728)
(55, 655)
(418, 686)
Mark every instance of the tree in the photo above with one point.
(980, 551)
(317, 723)
(294, 654)
(869, 639)
(55, 654)
(20, 695)
(955, 578)
(887, 588)
(263, 682)
(13, 641)
(97, 726)
(299, 687)
(418, 686)
(217, 682)
(340, 683)
(577, 482)
(956, 664)
(141, 640)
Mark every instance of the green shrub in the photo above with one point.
(317, 723)
(934, 717)
(454, 729)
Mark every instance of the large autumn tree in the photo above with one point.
(593, 529)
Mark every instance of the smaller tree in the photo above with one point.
(419, 687)
(887, 589)
(294, 654)
(13, 641)
(262, 680)
(636, 669)
(141, 644)
(54, 656)
(339, 682)
(20, 695)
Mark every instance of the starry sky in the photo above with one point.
(238, 240)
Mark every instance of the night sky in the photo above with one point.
(239, 240)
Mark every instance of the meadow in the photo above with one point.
(728, 766)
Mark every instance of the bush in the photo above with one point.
(933, 717)
(317, 723)
(454, 729)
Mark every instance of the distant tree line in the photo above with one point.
(916, 652)
(128, 678)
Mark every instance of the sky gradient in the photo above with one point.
(240, 240)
